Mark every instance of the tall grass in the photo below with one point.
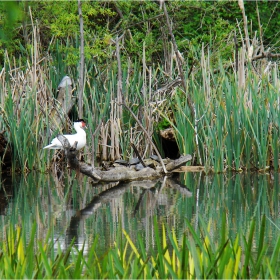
(28, 106)
(236, 125)
(23, 132)
(194, 255)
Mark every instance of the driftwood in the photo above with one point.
(121, 173)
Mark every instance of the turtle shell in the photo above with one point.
(134, 161)
(121, 161)
(139, 166)
(155, 157)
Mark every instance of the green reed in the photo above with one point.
(237, 127)
(159, 251)
(23, 132)
(194, 255)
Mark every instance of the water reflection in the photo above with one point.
(148, 197)
(74, 208)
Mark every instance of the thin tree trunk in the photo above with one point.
(82, 62)
(120, 98)
(247, 39)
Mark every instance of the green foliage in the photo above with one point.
(10, 17)
(237, 127)
(212, 23)
(229, 136)
(22, 132)
(163, 124)
(194, 255)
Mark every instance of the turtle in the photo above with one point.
(121, 162)
(133, 161)
(139, 166)
(155, 157)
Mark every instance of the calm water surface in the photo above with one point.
(77, 208)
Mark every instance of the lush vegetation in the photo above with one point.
(210, 23)
(44, 211)
(232, 122)
(234, 91)
(194, 255)
(237, 127)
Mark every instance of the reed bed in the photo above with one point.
(30, 110)
(236, 126)
(194, 255)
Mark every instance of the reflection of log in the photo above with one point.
(115, 192)
(117, 173)
(96, 202)
(179, 187)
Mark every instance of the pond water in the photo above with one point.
(75, 207)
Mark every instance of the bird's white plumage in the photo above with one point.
(80, 137)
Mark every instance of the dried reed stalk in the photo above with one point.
(104, 136)
(205, 69)
(245, 25)
(120, 98)
(148, 137)
(117, 141)
(241, 68)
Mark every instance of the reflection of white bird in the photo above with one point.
(80, 137)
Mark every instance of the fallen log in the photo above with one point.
(114, 174)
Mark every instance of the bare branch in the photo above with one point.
(137, 154)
